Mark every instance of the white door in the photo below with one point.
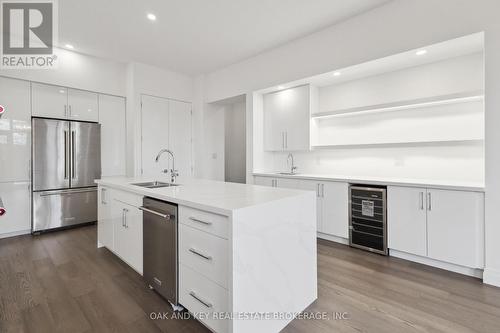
(335, 197)
(104, 218)
(274, 120)
(310, 185)
(16, 201)
(49, 101)
(128, 233)
(113, 135)
(15, 130)
(264, 181)
(455, 227)
(179, 138)
(297, 118)
(407, 219)
(155, 128)
(83, 105)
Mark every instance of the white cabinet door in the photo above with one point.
(179, 137)
(264, 181)
(455, 227)
(310, 185)
(104, 218)
(335, 197)
(155, 127)
(49, 101)
(127, 221)
(16, 200)
(83, 105)
(113, 135)
(15, 130)
(406, 219)
(297, 118)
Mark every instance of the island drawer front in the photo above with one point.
(212, 223)
(128, 198)
(204, 253)
(201, 296)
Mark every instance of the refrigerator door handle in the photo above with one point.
(66, 154)
(73, 154)
(62, 192)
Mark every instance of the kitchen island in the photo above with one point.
(258, 268)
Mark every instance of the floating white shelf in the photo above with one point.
(401, 144)
(404, 105)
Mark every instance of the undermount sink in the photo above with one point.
(154, 184)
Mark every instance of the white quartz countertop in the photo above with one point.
(428, 183)
(215, 196)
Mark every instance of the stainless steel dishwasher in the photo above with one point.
(160, 247)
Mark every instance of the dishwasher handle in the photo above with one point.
(162, 215)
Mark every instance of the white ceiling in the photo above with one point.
(195, 36)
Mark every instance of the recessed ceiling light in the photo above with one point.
(336, 73)
(421, 52)
(152, 17)
(69, 46)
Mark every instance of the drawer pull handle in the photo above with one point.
(196, 297)
(200, 221)
(204, 256)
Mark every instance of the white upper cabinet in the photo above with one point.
(113, 135)
(455, 222)
(287, 118)
(406, 215)
(63, 103)
(83, 105)
(49, 101)
(15, 130)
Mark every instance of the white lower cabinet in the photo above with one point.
(119, 225)
(444, 225)
(455, 227)
(204, 265)
(16, 198)
(105, 221)
(406, 220)
(332, 200)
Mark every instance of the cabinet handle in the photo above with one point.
(103, 201)
(200, 221)
(283, 140)
(421, 200)
(70, 110)
(65, 111)
(322, 190)
(196, 297)
(204, 256)
(124, 217)
(317, 190)
(286, 140)
(429, 201)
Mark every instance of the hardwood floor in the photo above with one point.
(60, 282)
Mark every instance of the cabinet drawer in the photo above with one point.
(128, 198)
(201, 296)
(212, 223)
(205, 253)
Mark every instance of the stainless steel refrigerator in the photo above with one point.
(66, 159)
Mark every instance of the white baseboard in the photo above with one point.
(492, 277)
(15, 233)
(332, 238)
(478, 273)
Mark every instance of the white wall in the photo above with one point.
(235, 143)
(390, 29)
(78, 71)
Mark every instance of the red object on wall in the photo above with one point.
(2, 211)
(2, 109)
